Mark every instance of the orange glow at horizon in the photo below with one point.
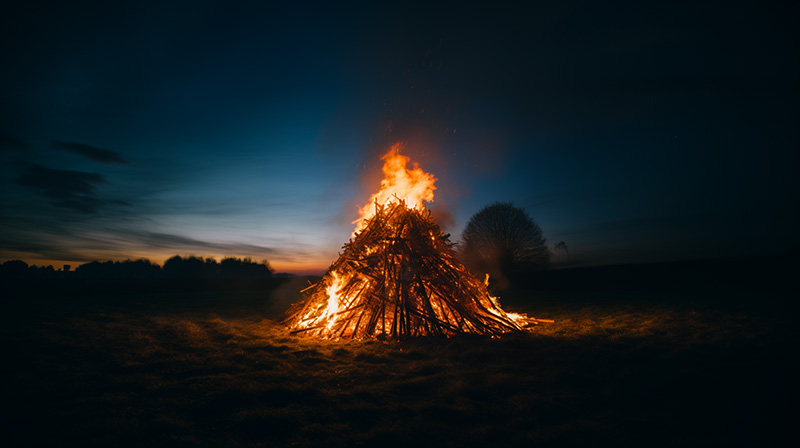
(305, 267)
(401, 182)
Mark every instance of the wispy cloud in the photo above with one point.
(284, 250)
(182, 243)
(91, 152)
(66, 188)
(86, 241)
(38, 238)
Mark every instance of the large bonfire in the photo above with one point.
(398, 276)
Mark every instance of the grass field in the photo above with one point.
(216, 369)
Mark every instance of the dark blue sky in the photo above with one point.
(633, 131)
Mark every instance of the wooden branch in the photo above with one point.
(401, 278)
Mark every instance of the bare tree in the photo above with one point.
(501, 238)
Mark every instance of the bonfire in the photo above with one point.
(399, 276)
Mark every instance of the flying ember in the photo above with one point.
(398, 276)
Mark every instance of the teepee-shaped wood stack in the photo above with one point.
(399, 277)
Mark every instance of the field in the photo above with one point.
(216, 369)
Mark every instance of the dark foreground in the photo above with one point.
(214, 369)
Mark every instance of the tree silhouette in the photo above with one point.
(14, 269)
(238, 268)
(128, 269)
(193, 267)
(190, 267)
(563, 246)
(501, 238)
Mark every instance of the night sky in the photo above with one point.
(633, 131)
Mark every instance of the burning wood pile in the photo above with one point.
(399, 276)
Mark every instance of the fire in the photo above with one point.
(399, 275)
(326, 316)
(333, 300)
(413, 186)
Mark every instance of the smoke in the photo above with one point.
(444, 217)
(437, 108)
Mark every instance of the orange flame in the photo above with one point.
(414, 186)
(333, 300)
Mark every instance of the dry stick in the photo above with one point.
(398, 274)
(442, 324)
(393, 281)
(461, 316)
(367, 299)
(426, 298)
(375, 314)
(387, 272)
(355, 328)
(460, 297)
(346, 321)
(372, 319)
(500, 319)
(308, 303)
(447, 309)
(477, 318)
(442, 295)
(429, 309)
(399, 303)
(407, 269)
(407, 303)
(307, 288)
(346, 311)
(425, 308)
(402, 298)
(300, 330)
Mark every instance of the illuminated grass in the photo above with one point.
(223, 373)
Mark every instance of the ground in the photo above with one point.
(217, 369)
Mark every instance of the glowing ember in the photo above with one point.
(399, 276)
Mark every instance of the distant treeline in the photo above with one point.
(177, 267)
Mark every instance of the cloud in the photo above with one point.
(67, 188)
(177, 242)
(166, 243)
(90, 152)
(10, 142)
(47, 239)
(32, 238)
(30, 246)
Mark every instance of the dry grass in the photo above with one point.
(219, 371)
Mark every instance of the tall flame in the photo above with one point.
(414, 186)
